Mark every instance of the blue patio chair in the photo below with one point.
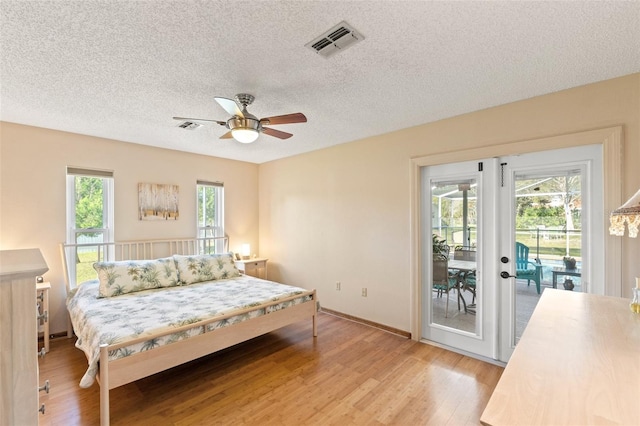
(526, 269)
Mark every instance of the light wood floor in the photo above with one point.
(351, 374)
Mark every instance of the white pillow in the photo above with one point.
(205, 267)
(128, 276)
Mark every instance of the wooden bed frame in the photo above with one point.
(115, 373)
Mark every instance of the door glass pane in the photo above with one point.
(548, 238)
(454, 292)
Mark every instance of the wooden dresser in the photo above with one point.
(577, 363)
(19, 336)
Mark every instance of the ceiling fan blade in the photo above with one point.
(222, 123)
(297, 117)
(227, 135)
(276, 133)
(230, 106)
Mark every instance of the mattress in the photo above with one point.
(117, 319)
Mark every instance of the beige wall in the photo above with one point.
(343, 213)
(339, 214)
(32, 193)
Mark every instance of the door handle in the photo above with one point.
(505, 274)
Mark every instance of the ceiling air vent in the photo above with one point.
(189, 125)
(336, 39)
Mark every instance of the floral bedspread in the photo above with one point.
(118, 319)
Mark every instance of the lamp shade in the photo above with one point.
(628, 213)
(244, 135)
(246, 250)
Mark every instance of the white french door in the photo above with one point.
(474, 205)
(577, 173)
(457, 204)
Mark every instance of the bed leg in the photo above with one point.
(104, 385)
(315, 314)
(315, 326)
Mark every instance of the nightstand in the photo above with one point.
(42, 292)
(256, 267)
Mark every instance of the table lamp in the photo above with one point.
(246, 251)
(628, 213)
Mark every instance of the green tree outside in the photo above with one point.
(89, 203)
(206, 198)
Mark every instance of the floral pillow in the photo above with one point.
(198, 268)
(117, 278)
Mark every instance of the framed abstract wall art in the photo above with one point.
(158, 202)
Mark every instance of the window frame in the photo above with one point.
(108, 232)
(216, 231)
(107, 204)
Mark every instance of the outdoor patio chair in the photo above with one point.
(526, 269)
(468, 282)
(464, 253)
(443, 281)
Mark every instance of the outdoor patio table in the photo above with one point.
(564, 271)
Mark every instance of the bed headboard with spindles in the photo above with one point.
(78, 259)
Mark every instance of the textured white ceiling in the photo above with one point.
(122, 69)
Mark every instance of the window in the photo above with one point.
(89, 218)
(211, 211)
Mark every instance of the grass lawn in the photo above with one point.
(552, 247)
(84, 266)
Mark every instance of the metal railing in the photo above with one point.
(542, 242)
(551, 243)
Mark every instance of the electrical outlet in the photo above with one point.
(364, 292)
(338, 285)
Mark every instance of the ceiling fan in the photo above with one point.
(244, 126)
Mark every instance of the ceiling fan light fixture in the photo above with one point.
(244, 135)
(245, 127)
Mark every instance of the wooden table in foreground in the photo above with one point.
(577, 363)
